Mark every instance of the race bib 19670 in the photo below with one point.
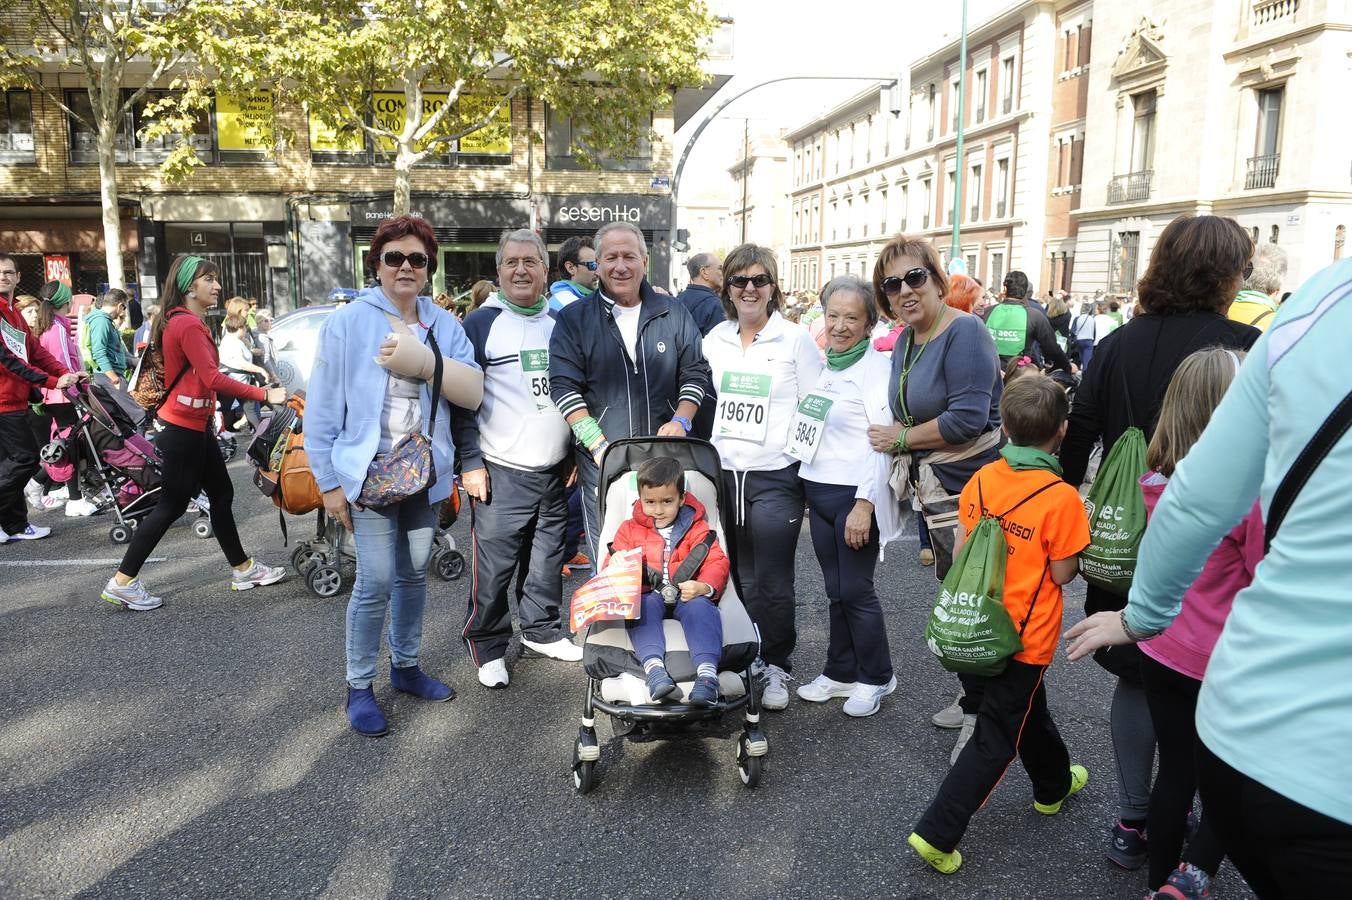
(535, 366)
(807, 427)
(743, 406)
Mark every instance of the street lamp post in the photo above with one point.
(685, 154)
(955, 249)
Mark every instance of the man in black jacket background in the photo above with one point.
(625, 362)
(1040, 342)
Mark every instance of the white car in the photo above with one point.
(295, 336)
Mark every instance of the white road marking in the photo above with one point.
(38, 563)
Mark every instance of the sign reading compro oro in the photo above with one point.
(495, 137)
(244, 122)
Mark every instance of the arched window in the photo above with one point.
(1339, 236)
(1276, 233)
(1253, 233)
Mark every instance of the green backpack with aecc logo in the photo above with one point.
(1117, 516)
(1008, 324)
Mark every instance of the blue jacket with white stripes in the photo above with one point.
(590, 367)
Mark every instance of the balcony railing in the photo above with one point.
(1265, 11)
(1262, 171)
(1129, 187)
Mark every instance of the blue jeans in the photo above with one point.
(393, 546)
(699, 619)
(1086, 349)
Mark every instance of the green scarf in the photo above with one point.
(533, 310)
(1257, 297)
(187, 272)
(837, 360)
(60, 298)
(582, 289)
(1023, 458)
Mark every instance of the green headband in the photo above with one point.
(60, 298)
(187, 271)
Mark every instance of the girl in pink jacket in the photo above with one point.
(1175, 661)
(56, 336)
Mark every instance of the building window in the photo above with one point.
(971, 265)
(905, 207)
(563, 139)
(933, 109)
(835, 150)
(868, 140)
(1069, 61)
(866, 208)
(816, 218)
(882, 212)
(849, 218)
(1001, 187)
(951, 196)
(1143, 132)
(835, 219)
(982, 89)
(953, 105)
(975, 190)
(131, 143)
(997, 268)
(16, 126)
(927, 195)
(1122, 278)
(1007, 85)
(1262, 171)
(1084, 42)
(1339, 236)
(1275, 235)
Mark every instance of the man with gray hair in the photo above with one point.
(1259, 295)
(700, 297)
(626, 362)
(514, 462)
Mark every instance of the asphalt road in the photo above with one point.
(200, 750)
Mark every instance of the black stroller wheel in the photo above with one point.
(584, 776)
(324, 581)
(749, 767)
(448, 564)
(202, 528)
(119, 534)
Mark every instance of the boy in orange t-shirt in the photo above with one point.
(1045, 528)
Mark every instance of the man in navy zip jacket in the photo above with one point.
(625, 362)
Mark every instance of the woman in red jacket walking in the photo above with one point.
(192, 460)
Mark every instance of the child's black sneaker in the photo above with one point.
(660, 684)
(705, 691)
(1128, 846)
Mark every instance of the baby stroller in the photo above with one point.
(122, 461)
(615, 683)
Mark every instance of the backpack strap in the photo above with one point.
(1261, 316)
(1332, 431)
(1046, 566)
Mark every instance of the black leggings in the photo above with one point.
(1172, 698)
(192, 462)
(1282, 849)
(64, 414)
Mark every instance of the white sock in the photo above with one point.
(653, 663)
(706, 670)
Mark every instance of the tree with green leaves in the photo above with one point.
(123, 48)
(454, 66)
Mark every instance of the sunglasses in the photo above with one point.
(394, 259)
(741, 281)
(1248, 272)
(915, 279)
(590, 265)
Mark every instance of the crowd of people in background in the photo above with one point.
(915, 390)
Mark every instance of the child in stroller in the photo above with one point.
(685, 571)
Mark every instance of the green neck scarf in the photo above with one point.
(582, 289)
(187, 272)
(60, 299)
(533, 310)
(844, 359)
(1258, 297)
(1023, 458)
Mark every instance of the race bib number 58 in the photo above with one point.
(807, 428)
(535, 366)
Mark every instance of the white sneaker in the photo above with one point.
(563, 649)
(29, 533)
(775, 695)
(866, 698)
(33, 494)
(132, 595)
(62, 493)
(257, 575)
(821, 689)
(950, 716)
(80, 508)
(493, 674)
(968, 726)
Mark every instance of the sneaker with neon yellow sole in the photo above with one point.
(1079, 777)
(947, 863)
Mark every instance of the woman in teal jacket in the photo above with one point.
(369, 389)
(1275, 710)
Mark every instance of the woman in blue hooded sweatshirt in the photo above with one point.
(371, 390)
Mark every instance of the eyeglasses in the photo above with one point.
(590, 265)
(394, 259)
(915, 279)
(741, 281)
(1246, 274)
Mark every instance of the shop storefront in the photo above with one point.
(561, 216)
(64, 243)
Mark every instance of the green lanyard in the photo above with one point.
(908, 364)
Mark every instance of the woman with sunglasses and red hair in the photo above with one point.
(372, 393)
(945, 393)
